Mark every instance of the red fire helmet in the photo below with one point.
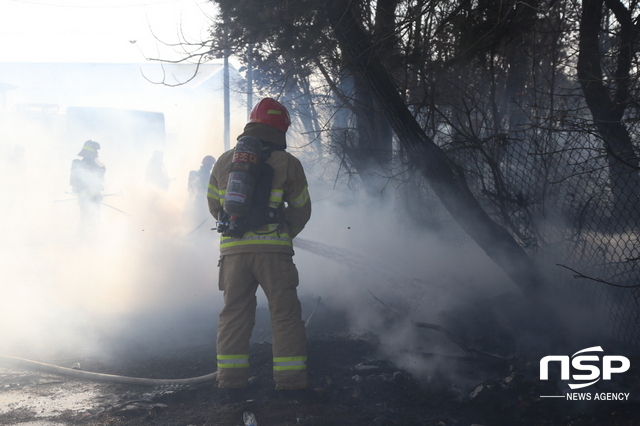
(271, 112)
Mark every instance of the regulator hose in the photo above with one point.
(27, 364)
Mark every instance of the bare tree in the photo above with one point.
(609, 99)
(445, 177)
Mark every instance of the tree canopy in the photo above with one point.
(521, 116)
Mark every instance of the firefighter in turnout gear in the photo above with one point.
(260, 252)
(87, 176)
(199, 179)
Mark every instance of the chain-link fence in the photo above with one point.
(554, 194)
(573, 206)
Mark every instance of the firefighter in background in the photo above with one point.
(263, 256)
(156, 171)
(87, 178)
(197, 211)
(199, 179)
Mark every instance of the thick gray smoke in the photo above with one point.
(135, 269)
(142, 273)
(387, 274)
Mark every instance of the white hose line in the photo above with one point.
(26, 364)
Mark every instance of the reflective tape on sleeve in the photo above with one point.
(290, 363)
(233, 361)
(275, 199)
(214, 193)
(301, 199)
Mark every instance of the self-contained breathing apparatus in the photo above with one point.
(246, 200)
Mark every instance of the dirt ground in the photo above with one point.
(355, 383)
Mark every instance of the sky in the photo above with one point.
(99, 30)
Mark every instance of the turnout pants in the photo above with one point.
(239, 277)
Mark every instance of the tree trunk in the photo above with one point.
(446, 178)
(372, 154)
(607, 113)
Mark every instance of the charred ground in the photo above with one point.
(356, 385)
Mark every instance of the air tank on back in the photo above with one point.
(242, 176)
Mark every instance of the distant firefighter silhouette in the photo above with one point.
(199, 179)
(87, 180)
(156, 171)
(197, 208)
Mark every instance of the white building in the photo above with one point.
(131, 109)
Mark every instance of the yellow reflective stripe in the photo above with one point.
(233, 361)
(274, 111)
(290, 363)
(281, 239)
(275, 199)
(215, 193)
(289, 358)
(255, 242)
(301, 199)
(227, 357)
(245, 365)
(289, 367)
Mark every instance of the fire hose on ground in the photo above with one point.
(26, 364)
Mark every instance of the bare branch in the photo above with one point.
(579, 275)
